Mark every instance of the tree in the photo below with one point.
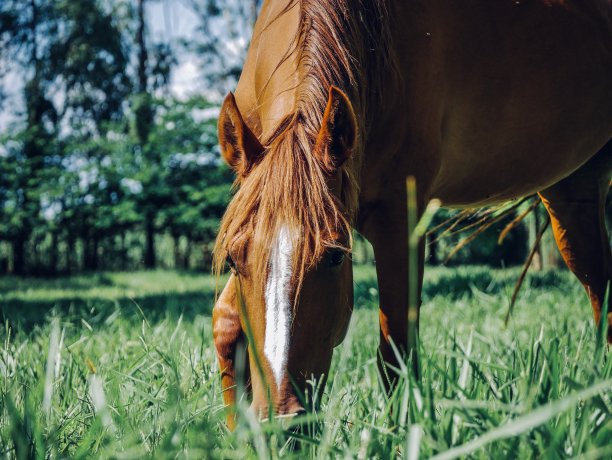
(92, 72)
(101, 158)
(152, 74)
(90, 61)
(23, 23)
(198, 184)
(75, 50)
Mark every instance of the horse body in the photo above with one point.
(485, 87)
(483, 101)
(488, 100)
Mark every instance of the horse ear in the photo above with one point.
(239, 146)
(338, 134)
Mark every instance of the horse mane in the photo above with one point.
(339, 42)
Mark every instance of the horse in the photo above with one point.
(339, 101)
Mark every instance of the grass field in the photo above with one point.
(123, 366)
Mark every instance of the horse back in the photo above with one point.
(500, 98)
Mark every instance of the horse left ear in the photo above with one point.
(239, 146)
(338, 134)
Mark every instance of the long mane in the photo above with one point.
(343, 43)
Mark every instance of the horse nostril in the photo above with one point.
(294, 409)
(291, 411)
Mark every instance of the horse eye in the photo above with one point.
(335, 258)
(231, 264)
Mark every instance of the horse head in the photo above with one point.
(287, 236)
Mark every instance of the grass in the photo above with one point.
(122, 366)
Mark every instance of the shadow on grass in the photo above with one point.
(76, 304)
(78, 283)
(462, 282)
(24, 314)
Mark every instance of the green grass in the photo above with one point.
(123, 366)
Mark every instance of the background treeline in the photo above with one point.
(103, 167)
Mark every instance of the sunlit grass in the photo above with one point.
(104, 285)
(112, 379)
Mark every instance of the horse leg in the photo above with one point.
(576, 206)
(228, 337)
(389, 241)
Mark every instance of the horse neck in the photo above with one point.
(276, 82)
(266, 91)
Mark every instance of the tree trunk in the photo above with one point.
(34, 256)
(95, 245)
(142, 49)
(187, 255)
(70, 250)
(552, 257)
(53, 256)
(86, 252)
(90, 252)
(433, 249)
(144, 119)
(536, 263)
(124, 258)
(18, 247)
(176, 239)
(149, 259)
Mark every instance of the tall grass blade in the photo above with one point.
(413, 267)
(414, 442)
(52, 360)
(525, 423)
(521, 278)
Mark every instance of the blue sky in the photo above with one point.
(173, 20)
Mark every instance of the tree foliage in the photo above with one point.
(101, 159)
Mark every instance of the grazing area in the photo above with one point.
(311, 148)
(122, 365)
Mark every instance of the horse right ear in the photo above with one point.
(338, 134)
(239, 146)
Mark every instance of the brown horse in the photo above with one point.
(339, 101)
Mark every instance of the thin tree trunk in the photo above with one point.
(70, 253)
(549, 248)
(90, 251)
(187, 255)
(18, 247)
(150, 256)
(124, 258)
(176, 239)
(537, 262)
(433, 249)
(144, 117)
(142, 50)
(94, 252)
(34, 251)
(53, 256)
(86, 252)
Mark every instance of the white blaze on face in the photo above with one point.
(278, 304)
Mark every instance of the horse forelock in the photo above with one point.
(287, 190)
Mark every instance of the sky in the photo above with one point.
(171, 20)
